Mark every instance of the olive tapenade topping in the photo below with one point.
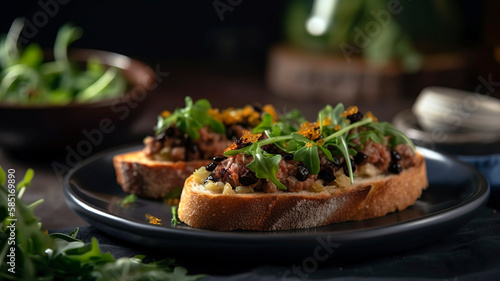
(395, 168)
(302, 172)
(210, 167)
(360, 158)
(248, 178)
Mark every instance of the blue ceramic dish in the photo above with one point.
(479, 150)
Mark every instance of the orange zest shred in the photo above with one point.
(350, 111)
(270, 109)
(215, 113)
(337, 127)
(249, 137)
(252, 116)
(232, 146)
(309, 144)
(327, 121)
(153, 220)
(370, 115)
(245, 138)
(171, 201)
(165, 113)
(231, 116)
(310, 130)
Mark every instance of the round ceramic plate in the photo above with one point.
(455, 193)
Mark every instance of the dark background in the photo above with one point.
(158, 31)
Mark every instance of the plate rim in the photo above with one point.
(467, 206)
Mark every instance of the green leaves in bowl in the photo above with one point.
(27, 78)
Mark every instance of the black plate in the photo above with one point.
(455, 193)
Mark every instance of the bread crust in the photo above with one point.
(368, 198)
(137, 174)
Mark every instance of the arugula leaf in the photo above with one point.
(334, 114)
(9, 53)
(288, 147)
(128, 200)
(300, 138)
(396, 136)
(275, 131)
(337, 139)
(309, 155)
(32, 56)
(27, 79)
(265, 124)
(328, 153)
(95, 67)
(66, 35)
(291, 121)
(175, 220)
(40, 256)
(94, 91)
(70, 238)
(190, 119)
(247, 150)
(370, 135)
(265, 166)
(26, 181)
(216, 126)
(342, 145)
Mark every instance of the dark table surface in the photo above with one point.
(472, 253)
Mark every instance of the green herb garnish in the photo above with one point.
(266, 123)
(396, 136)
(40, 256)
(190, 119)
(307, 153)
(265, 166)
(128, 200)
(287, 123)
(332, 132)
(175, 219)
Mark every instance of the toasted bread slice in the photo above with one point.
(367, 198)
(150, 178)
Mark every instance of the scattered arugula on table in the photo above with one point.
(190, 119)
(336, 132)
(128, 200)
(26, 79)
(175, 219)
(57, 256)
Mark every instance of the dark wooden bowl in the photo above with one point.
(77, 127)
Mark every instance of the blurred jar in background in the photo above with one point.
(349, 50)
